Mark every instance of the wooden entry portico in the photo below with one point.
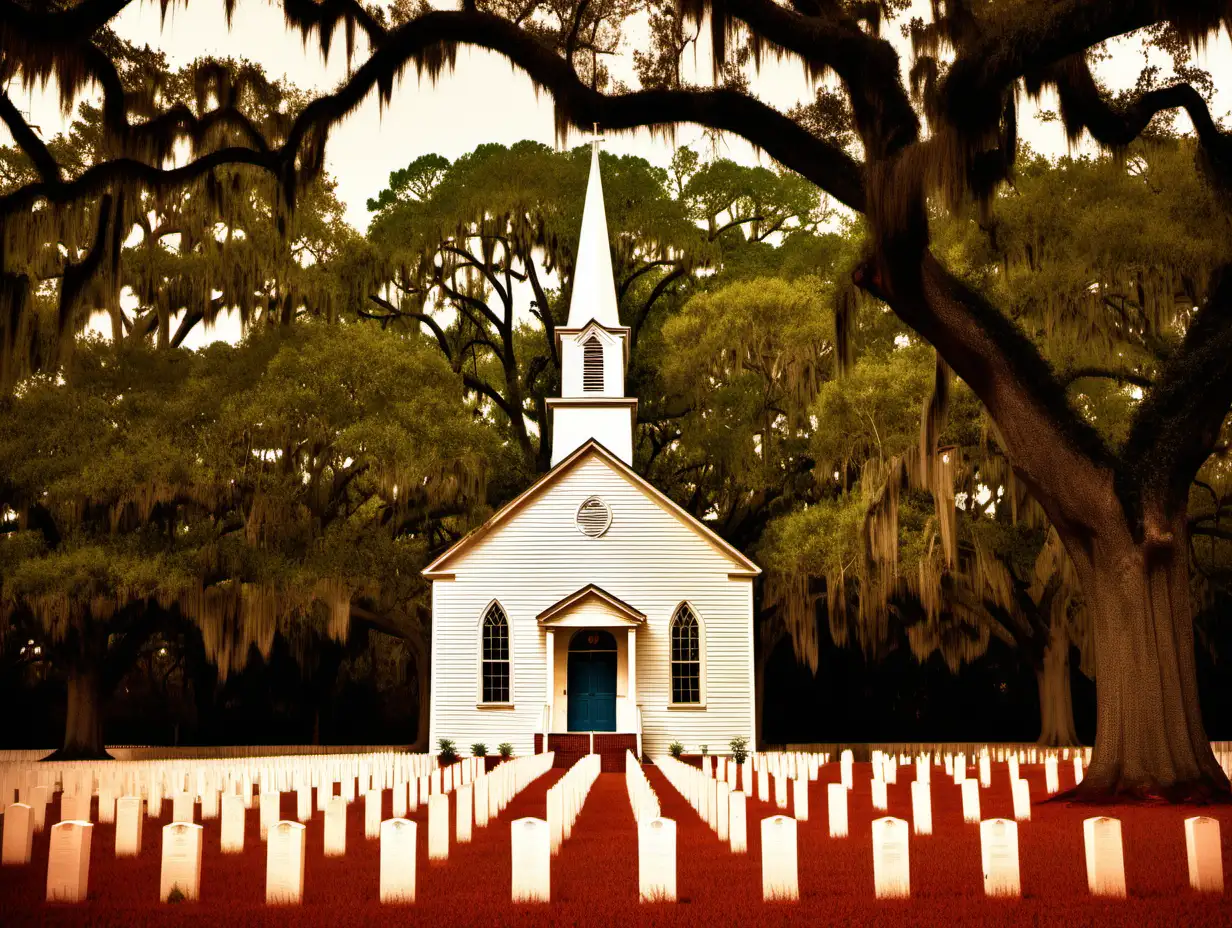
(590, 644)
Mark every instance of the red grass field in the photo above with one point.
(594, 880)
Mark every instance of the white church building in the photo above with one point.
(592, 613)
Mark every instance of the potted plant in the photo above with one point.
(447, 751)
(675, 749)
(739, 749)
(479, 749)
(505, 749)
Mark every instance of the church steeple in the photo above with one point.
(594, 346)
(594, 286)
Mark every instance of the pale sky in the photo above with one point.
(484, 99)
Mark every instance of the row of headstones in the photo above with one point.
(998, 837)
(70, 841)
(642, 797)
(566, 796)
(207, 780)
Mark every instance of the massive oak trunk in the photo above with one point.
(1055, 697)
(1149, 740)
(423, 678)
(83, 726)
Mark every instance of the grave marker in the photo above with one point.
(1105, 856)
(737, 824)
(799, 796)
(181, 869)
(971, 801)
(656, 860)
(1204, 851)
(68, 862)
(231, 835)
(836, 794)
(1022, 800)
(921, 808)
(999, 853)
(891, 859)
(464, 801)
(531, 860)
(438, 827)
(128, 826)
(880, 799)
(284, 863)
(779, 871)
(19, 835)
(335, 827)
(398, 861)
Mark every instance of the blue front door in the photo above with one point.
(592, 682)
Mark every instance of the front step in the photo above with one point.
(570, 747)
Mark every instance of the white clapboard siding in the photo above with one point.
(648, 557)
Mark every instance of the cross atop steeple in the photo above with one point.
(596, 138)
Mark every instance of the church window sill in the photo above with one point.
(494, 705)
(686, 705)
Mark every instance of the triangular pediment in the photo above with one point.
(591, 606)
(738, 564)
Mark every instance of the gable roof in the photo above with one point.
(741, 565)
(589, 592)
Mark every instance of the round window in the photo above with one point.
(594, 517)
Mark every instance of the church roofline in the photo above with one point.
(561, 331)
(436, 570)
(590, 591)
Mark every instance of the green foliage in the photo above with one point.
(479, 749)
(505, 749)
(676, 749)
(739, 749)
(446, 750)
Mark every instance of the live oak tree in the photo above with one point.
(480, 254)
(1121, 510)
(280, 487)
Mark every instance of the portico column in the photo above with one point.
(631, 688)
(550, 700)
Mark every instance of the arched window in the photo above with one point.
(592, 365)
(495, 655)
(686, 657)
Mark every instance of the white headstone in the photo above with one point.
(779, 870)
(836, 796)
(763, 785)
(130, 816)
(68, 862)
(1204, 851)
(971, 801)
(398, 802)
(75, 807)
(1077, 769)
(335, 827)
(846, 769)
(464, 802)
(270, 811)
(182, 807)
(1012, 763)
(531, 860)
(922, 772)
(722, 810)
(1052, 780)
(346, 788)
(891, 859)
(1105, 857)
(438, 827)
(285, 849)
(38, 802)
(999, 853)
(398, 861)
(780, 790)
(19, 834)
(231, 837)
(1021, 790)
(372, 814)
(799, 796)
(921, 808)
(303, 803)
(106, 804)
(985, 771)
(154, 798)
(880, 798)
(181, 869)
(656, 860)
(737, 824)
(480, 786)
